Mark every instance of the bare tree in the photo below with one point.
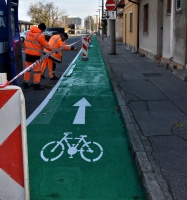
(47, 13)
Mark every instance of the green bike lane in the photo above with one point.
(78, 144)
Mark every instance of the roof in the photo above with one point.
(26, 22)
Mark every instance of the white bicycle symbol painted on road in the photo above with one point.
(89, 151)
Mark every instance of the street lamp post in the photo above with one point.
(102, 19)
(96, 23)
(99, 22)
(102, 16)
(90, 23)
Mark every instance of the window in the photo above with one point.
(168, 6)
(145, 19)
(131, 21)
(178, 5)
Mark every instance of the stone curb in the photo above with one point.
(180, 73)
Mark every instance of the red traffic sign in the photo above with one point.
(110, 5)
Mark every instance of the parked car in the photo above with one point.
(48, 34)
(59, 30)
(23, 35)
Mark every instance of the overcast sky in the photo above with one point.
(79, 8)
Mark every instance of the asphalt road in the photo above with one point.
(34, 98)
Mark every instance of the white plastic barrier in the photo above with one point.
(89, 38)
(14, 182)
(85, 47)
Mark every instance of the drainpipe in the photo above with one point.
(137, 22)
(171, 31)
(186, 49)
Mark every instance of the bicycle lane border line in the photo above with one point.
(46, 100)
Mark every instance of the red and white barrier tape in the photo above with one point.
(31, 66)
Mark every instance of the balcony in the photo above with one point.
(121, 4)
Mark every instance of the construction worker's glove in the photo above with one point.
(73, 48)
(37, 62)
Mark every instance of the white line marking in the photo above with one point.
(80, 116)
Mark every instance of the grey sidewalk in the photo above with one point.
(153, 102)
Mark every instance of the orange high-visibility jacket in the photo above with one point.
(35, 42)
(56, 42)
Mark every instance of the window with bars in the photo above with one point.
(178, 5)
(145, 19)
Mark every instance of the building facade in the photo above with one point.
(151, 28)
(77, 21)
(130, 34)
(163, 31)
(154, 28)
(120, 20)
(127, 23)
(175, 38)
(25, 25)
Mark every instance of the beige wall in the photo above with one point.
(119, 27)
(130, 37)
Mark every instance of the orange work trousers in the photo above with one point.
(47, 62)
(36, 71)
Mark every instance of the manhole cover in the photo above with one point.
(151, 74)
(179, 125)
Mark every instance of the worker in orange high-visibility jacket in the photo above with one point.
(34, 44)
(56, 41)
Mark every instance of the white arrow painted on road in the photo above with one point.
(80, 116)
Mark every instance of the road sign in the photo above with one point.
(110, 5)
(111, 14)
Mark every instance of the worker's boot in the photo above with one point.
(54, 78)
(38, 87)
(42, 76)
(26, 85)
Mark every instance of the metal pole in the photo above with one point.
(90, 24)
(102, 18)
(112, 37)
(99, 22)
